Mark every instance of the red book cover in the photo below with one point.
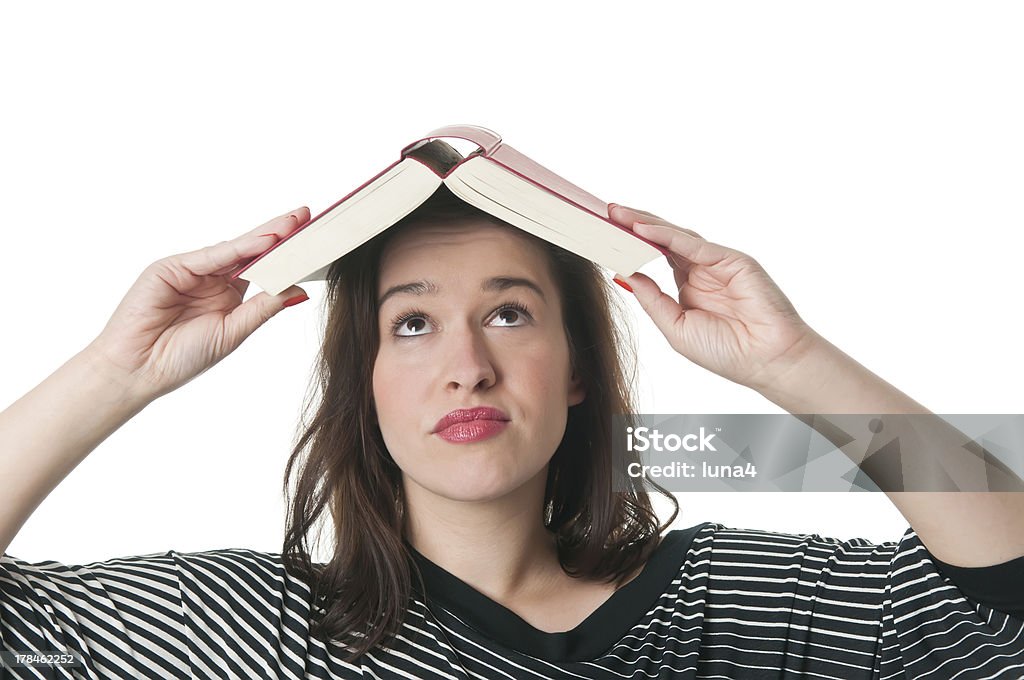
(490, 147)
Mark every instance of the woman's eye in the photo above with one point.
(417, 320)
(411, 321)
(509, 311)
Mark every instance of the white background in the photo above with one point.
(867, 154)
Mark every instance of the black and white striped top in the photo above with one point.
(712, 602)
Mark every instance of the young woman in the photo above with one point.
(461, 447)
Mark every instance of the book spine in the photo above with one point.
(487, 140)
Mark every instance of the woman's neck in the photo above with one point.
(500, 547)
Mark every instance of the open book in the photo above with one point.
(495, 178)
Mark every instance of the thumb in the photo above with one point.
(288, 297)
(665, 311)
(255, 311)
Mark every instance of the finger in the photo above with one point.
(665, 311)
(693, 248)
(240, 285)
(281, 225)
(254, 312)
(628, 216)
(223, 256)
(215, 259)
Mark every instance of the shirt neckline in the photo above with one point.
(593, 636)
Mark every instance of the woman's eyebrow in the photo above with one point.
(495, 283)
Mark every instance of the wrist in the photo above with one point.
(114, 384)
(787, 374)
(818, 377)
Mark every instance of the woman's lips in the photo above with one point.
(472, 430)
(463, 415)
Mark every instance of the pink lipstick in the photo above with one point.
(470, 425)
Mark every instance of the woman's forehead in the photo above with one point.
(429, 259)
(430, 247)
(493, 284)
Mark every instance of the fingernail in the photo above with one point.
(622, 283)
(296, 300)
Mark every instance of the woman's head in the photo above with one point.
(452, 334)
(470, 314)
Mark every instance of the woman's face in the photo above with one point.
(461, 346)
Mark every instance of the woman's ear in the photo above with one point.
(577, 390)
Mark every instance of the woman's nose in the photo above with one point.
(469, 361)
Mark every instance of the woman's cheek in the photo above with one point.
(398, 355)
(546, 355)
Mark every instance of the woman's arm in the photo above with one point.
(49, 431)
(962, 528)
(183, 315)
(731, 318)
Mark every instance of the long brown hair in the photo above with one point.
(359, 598)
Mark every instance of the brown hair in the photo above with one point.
(359, 598)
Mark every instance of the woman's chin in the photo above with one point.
(477, 486)
(480, 478)
(477, 491)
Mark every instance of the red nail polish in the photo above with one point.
(296, 300)
(622, 283)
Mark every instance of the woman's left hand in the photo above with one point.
(729, 317)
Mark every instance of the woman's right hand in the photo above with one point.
(184, 314)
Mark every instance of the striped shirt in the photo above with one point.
(711, 602)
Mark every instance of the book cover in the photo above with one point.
(495, 178)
